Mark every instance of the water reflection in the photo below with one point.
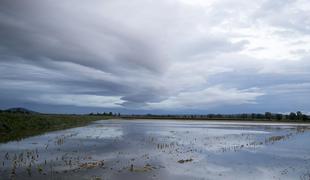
(162, 150)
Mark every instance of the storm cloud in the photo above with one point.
(175, 56)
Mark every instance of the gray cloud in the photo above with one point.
(151, 55)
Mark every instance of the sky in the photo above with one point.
(155, 56)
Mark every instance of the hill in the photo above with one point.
(20, 110)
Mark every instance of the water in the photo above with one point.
(162, 149)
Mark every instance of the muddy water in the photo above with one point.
(145, 149)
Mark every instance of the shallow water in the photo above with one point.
(162, 149)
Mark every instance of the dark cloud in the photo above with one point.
(149, 55)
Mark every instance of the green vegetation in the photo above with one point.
(16, 125)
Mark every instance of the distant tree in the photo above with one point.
(110, 113)
(244, 116)
(253, 116)
(299, 115)
(219, 115)
(305, 117)
(279, 117)
(210, 115)
(292, 116)
(268, 115)
(260, 116)
(286, 117)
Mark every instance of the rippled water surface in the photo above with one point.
(162, 149)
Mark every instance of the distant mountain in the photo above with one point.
(20, 110)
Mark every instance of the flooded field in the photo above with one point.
(162, 149)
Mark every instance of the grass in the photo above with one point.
(15, 126)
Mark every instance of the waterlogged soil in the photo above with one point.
(146, 149)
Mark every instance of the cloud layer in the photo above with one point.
(164, 55)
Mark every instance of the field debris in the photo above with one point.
(185, 160)
(91, 165)
(145, 168)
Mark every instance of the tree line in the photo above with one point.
(293, 116)
(105, 114)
